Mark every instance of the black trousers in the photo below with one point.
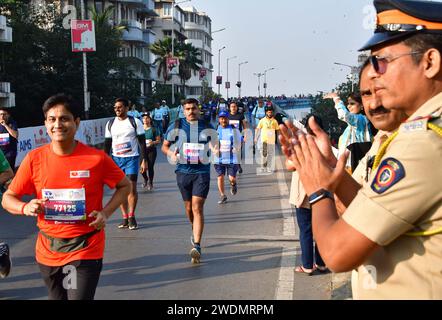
(77, 280)
(151, 156)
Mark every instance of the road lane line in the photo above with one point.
(286, 280)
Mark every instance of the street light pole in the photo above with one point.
(85, 84)
(353, 72)
(219, 68)
(265, 81)
(259, 75)
(239, 78)
(227, 79)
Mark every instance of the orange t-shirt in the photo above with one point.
(86, 168)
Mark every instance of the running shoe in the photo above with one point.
(124, 224)
(144, 185)
(133, 224)
(5, 260)
(150, 187)
(195, 254)
(234, 189)
(222, 200)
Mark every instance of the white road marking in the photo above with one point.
(286, 280)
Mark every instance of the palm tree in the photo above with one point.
(162, 49)
(189, 57)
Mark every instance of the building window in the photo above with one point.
(167, 9)
(99, 6)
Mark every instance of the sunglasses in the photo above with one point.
(380, 63)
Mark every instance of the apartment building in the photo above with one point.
(7, 98)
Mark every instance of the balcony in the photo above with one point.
(135, 32)
(7, 98)
(149, 36)
(5, 31)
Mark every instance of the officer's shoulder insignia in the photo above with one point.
(418, 124)
(390, 172)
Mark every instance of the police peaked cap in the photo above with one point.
(398, 19)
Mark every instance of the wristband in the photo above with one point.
(23, 208)
(320, 195)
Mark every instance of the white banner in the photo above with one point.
(90, 132)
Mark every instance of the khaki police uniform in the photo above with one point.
(362, 175)
(363, 170)
(404, 194)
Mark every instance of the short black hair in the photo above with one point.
(422, 42)
(191, 101)
(356, 97)
(362, 68)
(5, 109)
(124, 101)
(65, 100)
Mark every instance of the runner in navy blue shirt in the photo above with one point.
(190, 139)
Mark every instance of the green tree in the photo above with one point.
(40, 63)
(190, 61)
(162, 49)
(326, 111)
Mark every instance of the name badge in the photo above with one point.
(123, 148)
(225, 146)
(192, 151)
(66, 206)
(4, 139)
(80, 174)
(234, 123)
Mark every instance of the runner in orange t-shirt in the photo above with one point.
(67, 178)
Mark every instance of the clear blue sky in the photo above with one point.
(301, 39)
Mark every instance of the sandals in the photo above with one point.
(321, 269)
(303, 271)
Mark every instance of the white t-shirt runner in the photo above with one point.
(124, 140)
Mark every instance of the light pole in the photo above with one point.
(227, 78)
(219, 68)
(354, 72)
(265, 81)
(259, 75)
(239, 78)
(173, 45)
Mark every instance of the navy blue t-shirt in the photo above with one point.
(8, 144)
(193, 146)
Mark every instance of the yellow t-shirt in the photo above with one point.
(268, 129)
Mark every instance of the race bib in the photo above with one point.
(234, 123)
(225, 146)
(148, 143)
(4, 139)
(192, 151)
(66, 206)
(123, 148)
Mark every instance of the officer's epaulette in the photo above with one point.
(416, 124)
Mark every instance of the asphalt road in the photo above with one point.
(249, 247)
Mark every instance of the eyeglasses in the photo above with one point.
(380, 63)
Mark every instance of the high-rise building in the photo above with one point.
(7, 98)
(198, 30)
(138, 16)
(163, 28)
(189, 26)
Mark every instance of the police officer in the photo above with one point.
(392, 230)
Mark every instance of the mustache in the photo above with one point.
(379, 110)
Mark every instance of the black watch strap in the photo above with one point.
(319, 195)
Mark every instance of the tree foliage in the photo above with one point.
(324, 108)
(40, 63)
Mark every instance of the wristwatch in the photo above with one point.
(319, 195)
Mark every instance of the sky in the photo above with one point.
(300, 39)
